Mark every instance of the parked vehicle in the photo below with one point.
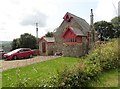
(2, 52)
(19, 53)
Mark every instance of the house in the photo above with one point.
(74, 36)
(46, 45)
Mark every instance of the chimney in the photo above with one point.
(92, 28)
(91, 17)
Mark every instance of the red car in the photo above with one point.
(19, 53)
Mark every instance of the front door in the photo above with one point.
(43, 47)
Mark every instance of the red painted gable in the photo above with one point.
(68, 33)
(70, 37)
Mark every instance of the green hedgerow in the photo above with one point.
(100, 59)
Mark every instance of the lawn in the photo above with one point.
(107, 79)
(0, 80)
(36, 72)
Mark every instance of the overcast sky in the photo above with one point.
(19, 16)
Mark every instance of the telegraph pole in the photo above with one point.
(36, 34)
(36, 31)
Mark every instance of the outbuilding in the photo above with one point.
(46, 45)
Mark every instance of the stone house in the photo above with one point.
(74, 36)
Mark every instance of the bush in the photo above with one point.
(104, 57)
(100, 59)
(72, 78)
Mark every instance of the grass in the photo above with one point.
(32, 74)
(35, 72)
(107, 79)
(0, 80)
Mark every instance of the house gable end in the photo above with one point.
(80, 22)
(68, 33)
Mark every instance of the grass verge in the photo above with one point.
(36, 72)
(106, 79)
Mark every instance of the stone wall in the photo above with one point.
(50, 49)
(73, 50)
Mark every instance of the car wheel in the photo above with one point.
(14, 57)
(31, 56)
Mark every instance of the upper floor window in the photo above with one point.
(70, 40)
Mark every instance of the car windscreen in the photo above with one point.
(14, 51)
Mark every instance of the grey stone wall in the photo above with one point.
(73, 50)
(50, 49)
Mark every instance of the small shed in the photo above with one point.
(46, 45)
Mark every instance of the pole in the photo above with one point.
(37, 31)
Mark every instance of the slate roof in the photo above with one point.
(49, 39)
(85, 26)
(77, 31)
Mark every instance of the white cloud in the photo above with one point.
(47, 12)
(119, 8)
(33, 18)
(106, 9)
(27, 12)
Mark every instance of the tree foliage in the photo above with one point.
(25, 41)
(116, 24)
(49, 34)
(16, 43)
(105, 29)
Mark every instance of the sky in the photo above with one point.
(19, 16)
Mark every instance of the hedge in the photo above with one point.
(100, 59)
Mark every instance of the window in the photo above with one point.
(70, 40)
(26, 50)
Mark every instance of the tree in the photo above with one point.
(28, 41)
(15, 43)
(25, 41)
(116, 24)
(105, 29)
(49, 34)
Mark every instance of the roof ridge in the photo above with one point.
(75, 15)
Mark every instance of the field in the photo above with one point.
(35, 72)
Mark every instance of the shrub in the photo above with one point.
(72, 78)
(100, 59)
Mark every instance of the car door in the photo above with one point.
(20, 53)
(26, 53)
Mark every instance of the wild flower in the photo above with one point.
(9, 78)
(35, 69)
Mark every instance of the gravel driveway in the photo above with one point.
(4, 65)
